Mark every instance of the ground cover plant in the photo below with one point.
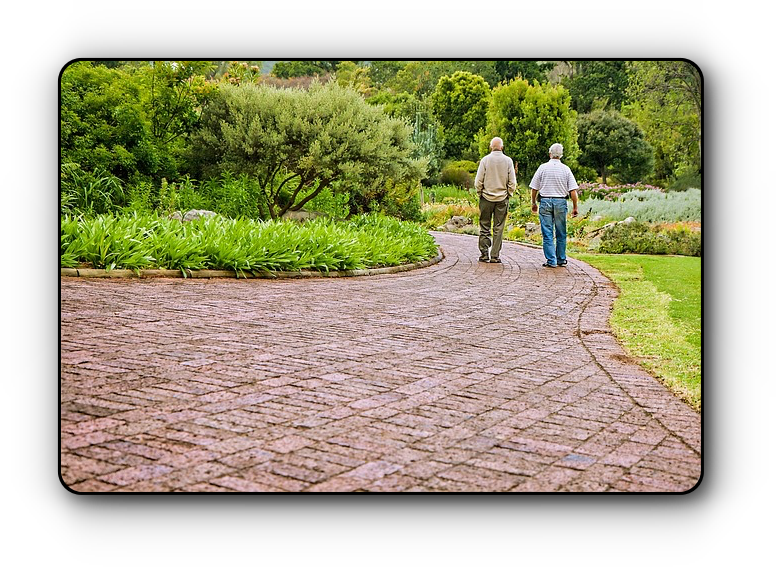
(657, 316)
(650, 205)
(140, 241)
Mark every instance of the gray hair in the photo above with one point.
(497, 144)
(556, 150)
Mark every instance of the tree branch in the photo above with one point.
(311, 196)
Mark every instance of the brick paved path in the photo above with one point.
(458, 377)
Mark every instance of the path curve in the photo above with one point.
(461, 376)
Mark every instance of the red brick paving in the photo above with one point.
(461, 376)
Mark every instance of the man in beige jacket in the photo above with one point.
(495, 184)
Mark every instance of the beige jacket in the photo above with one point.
(495, 179)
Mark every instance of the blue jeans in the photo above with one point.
(552, 217)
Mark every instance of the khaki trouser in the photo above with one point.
(497, 214)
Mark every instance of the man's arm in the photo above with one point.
(479, 180)
(511, 180)
(573, 193)
(534, 206)
(574, 199)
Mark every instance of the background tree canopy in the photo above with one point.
(609, 142)
(131, 130)
(460, 103)
(530, 118)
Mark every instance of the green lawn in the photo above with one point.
(657, 316)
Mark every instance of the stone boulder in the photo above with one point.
(532, 228)
(595, 235)
(195, 214)
(598, 231)
(191, 215)
(301, 216)
(457, 223)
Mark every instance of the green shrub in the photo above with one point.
(516, 233)
(89, 192)
(641, 238)
(459, 173)
(685, 181)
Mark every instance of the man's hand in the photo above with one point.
(575, 201)
(534, 208)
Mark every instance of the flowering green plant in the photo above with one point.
(612, 192)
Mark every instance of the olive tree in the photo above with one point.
(297, 142)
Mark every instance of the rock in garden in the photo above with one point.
(457, 223)
(301, 216)
(604, 228)
(194, 214)
(175, 216)
(531, 228)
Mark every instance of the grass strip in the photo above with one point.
(657, 316)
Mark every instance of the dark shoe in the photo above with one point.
(546, 265)
(495, 260)
(484, 259)
(563, 263)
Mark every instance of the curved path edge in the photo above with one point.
(644, 388)
(269, 274)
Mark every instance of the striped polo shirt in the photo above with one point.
(554, 179)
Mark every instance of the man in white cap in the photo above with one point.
(495, 183)
(553, 183)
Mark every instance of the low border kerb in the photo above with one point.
(98, 273)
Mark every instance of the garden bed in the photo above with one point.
(665, 223)
(240, 246)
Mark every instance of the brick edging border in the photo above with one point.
(98, 273)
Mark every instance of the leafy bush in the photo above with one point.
(460, 103)
(516, 233)
(685, 181)
(147, 240)
(89, 193)
(303, 142)
(641, 238)
(459, 173)
(131, 121)
(610, 142)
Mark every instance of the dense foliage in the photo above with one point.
(296, 143)
(611, 143)
(137, 120)
(641, 238)
(530, 118)
(131, 122)
(460, 103)
(140, 241)
(252, 141)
